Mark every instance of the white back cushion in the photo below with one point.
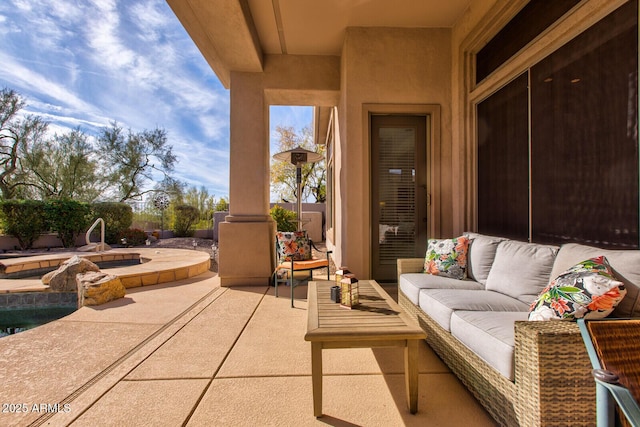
(521, 270)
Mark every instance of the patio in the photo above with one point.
(194, 353)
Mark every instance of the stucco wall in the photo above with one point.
(386, 66)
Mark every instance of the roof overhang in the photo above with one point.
(224, 32)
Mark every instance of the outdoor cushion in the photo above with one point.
(447, 257)
(521, 270)
(440, 304)
(490, 335)
(293, 244)
(625, 265)
(411, 283)
(482, 251)
(308, 264)
(588, 289)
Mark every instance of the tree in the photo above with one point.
(283, 174)
(222, 205)
(201, 199)
(186, 217)
(132, 158)
(64, 166)
(16, 135)
(204, 202)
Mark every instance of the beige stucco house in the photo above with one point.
(404, 96)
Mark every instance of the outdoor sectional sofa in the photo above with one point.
(523, 372)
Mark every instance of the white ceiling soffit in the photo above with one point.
(317, 27)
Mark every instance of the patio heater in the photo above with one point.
(297, 157)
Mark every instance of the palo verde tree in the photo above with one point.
(17, 133)
(283, 174)
(64, 166)
(132, 158)
(118, 166)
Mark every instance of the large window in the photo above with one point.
(574, 134)
(534, 18)
(503, 160)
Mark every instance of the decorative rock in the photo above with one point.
(96, 287)
(64, 278)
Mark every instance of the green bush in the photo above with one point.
(186, 217)
(67, 218)
(284, 218)
(23, 219)
(134, 236)
(117, 217)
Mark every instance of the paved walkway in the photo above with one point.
(193, 353)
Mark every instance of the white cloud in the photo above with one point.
(24, 78)
(86, 62)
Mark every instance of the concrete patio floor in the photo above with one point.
(193, 353)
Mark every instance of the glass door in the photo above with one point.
(399, 191)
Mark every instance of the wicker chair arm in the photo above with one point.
(410, 265)
(552, 373)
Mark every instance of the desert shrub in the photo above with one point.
(23, 219)
(68, 218)
(134, 236)
(117, 217)
(284, 218)
(186, 217)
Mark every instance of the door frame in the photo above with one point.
(433, 152)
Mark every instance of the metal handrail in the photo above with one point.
(100, 246)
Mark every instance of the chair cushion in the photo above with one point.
(490, 335)
(293, 244)
(482, 251)
(411, 284)
(521, 270)
(440, 304)
(309, 264)
(625, 264)
(588, 289)
(447, 257)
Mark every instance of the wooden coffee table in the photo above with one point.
(376, 322)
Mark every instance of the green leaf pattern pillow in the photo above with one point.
(447, 257)
(588, 289)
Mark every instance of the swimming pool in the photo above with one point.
(13, 321)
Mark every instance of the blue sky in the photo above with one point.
(88, 62)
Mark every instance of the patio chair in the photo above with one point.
(294, 255)
(614, 349)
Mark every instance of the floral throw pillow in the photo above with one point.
(588, 289)
(293, 244)
(447, 257)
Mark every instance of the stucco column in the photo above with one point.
(246, 244)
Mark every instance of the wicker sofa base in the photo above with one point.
(553, 384)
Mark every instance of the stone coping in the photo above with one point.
(158, 265)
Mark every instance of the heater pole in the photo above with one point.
(298, 196)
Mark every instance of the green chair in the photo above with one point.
(614, 349)
(294, 255)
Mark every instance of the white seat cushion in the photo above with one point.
(439, 304)
(411, 284)
(490, 335)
